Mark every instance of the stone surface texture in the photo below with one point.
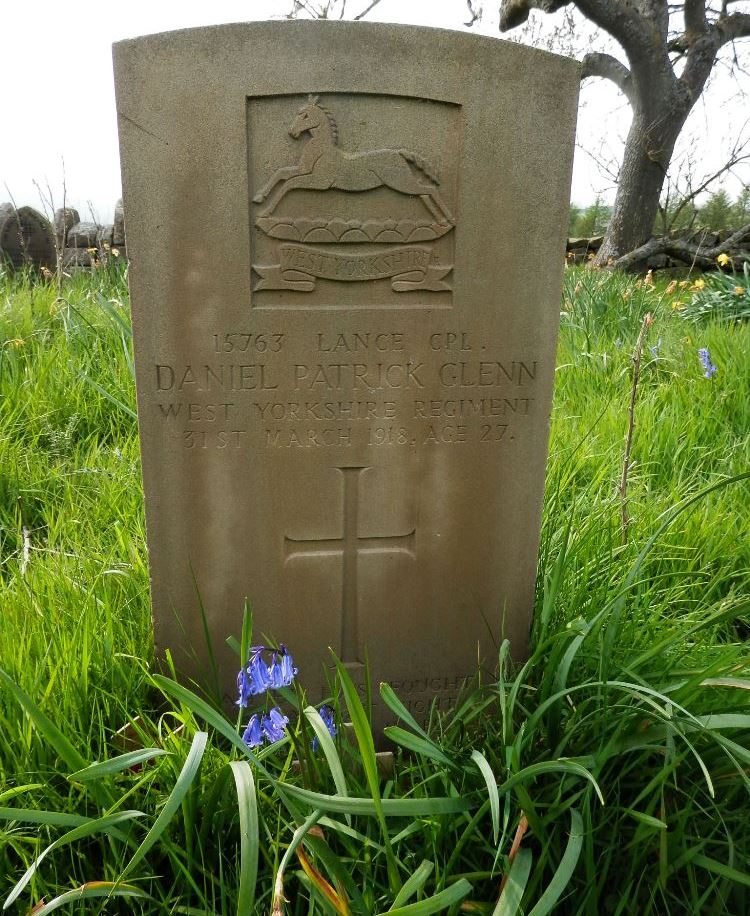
(82, 235)
(346, 244)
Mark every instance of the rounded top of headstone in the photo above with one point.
(26, 237)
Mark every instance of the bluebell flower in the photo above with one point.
(274, 725)
(326, 714)
(709, 370)
(282, 671)
(244, 688)
(260, 678)
(253, 734)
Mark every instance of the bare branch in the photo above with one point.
(608, 67)
(684, 251)
(366, 10)
(474, 12)
(621, 20)
(515, 12)
(732, 27)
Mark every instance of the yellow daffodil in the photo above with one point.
(723, 259)
(699, 284)
(677, 305)
(739, 290)
(684, 284)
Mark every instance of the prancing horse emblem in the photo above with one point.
(324, 165)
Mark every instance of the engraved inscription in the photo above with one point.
(371, 390)
(349, 546)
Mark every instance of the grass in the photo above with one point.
(609, 775)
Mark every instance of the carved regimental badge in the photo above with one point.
(359, 226)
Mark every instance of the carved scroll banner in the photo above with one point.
(409, 268)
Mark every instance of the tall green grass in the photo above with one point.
(608, 775)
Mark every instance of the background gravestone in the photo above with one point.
(344, 409)
(26, 237)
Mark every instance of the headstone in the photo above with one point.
(65, 219)
(83, 235)
(26, 237)
(347, 244)
(118, 230)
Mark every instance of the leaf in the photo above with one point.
(44, 725)
(422, 746)
(173, 802)
(247, 804)
(437, 904)
(413, 883)
(89, 890)
(98, 825)
(116, 764)
(389, 807)
(363, 734)
(329, 750)
(564, 871)
(489, 777)
(510, 898)
(551, 766)
(49, 818)
(395, 705)
(110, 397)
(719, 868)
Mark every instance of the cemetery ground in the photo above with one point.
(610, 774)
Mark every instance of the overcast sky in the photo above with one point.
(57, 108)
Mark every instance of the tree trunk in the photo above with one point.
(648, 151)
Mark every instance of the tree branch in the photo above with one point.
(731, 27)
(684, 251)
(695, 18)
(516, 12)
(621, 19)
(608, 67)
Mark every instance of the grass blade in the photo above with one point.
(89, 890)
(489, 777)
(414, 743)
(413, 884)
(329, 750)
(100, 825)
(173, 802)
(510, 898)
(44, 725)
(116, 764)
(388, 807)
(247, 804)
(437, 904)
(392, 701)
(564, 870)
(363, 733)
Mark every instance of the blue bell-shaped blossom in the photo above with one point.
(253, 734)
(274, 725)
(326, 714)
(258, 671)
(282, 671)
